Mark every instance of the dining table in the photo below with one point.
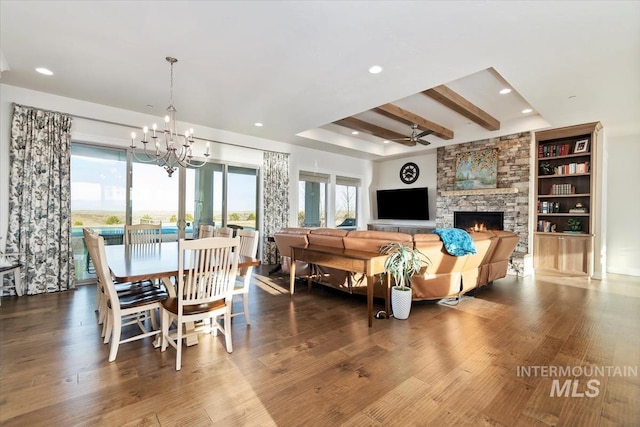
(140, 262)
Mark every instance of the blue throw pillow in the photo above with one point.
(456, 241)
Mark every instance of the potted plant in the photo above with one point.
(574, 224)
(402, 263)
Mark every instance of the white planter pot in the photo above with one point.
(400, 302)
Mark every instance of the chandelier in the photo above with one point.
(176, 150)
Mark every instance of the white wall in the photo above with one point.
(623, 205)
(237, 148)
(386, 175)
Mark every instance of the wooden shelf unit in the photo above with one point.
(567, 180)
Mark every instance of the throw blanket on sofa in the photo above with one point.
(456, 241)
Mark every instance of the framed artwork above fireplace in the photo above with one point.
(477, 169)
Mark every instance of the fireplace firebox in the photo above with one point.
(476, 221)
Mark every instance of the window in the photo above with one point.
(311, 199)
(346, 205)
(242, 196)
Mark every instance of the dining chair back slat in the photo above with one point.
(135, 234)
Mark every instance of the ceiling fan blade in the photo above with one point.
(425, 133)
(423, 142)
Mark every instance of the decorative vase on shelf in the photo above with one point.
(546, 168)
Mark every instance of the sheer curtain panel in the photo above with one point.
(40, 199)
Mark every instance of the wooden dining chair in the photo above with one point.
(10, 265)
(124, 308)
(248, 247)
(142, 234)
(101, 293)
(205, 231)
(223, 232)
(207, 270)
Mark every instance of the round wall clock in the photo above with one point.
(409, 173)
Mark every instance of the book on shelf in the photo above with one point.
(561, 189)
(554, 150)
(546, 226)
(572, 168)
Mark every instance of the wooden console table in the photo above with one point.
(367, 263)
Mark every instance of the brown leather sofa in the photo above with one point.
(286, 238)
(447, 276)
(498, 263)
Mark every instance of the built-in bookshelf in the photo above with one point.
(564, 194)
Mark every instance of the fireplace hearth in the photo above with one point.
(478, 221)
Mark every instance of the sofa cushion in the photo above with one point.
(327, 237)
(372, 241)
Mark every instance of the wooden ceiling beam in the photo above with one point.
(371, 129)
(396, 113)
(460, 105)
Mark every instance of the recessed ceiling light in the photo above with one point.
(44, 71)
(386, 141)
(526, 110)
(257, 124)
(505, 91)
(376, 69)
(355, 132)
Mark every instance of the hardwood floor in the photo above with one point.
(313, 361)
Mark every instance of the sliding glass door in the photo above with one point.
(155, 199)
(104, 199)
(98, 199)
(207, 195)
(226, 196)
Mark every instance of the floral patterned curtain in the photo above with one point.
(40, 199)
(276, 199)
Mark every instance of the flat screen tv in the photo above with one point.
(405, 203)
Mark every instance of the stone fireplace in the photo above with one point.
(478, 221)
(511, 197)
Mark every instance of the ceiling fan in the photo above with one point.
(416, 135)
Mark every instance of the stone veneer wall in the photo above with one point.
(513, 171)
